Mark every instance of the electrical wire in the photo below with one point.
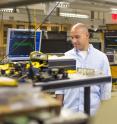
(48, 15)
(1, 25)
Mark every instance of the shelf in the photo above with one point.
(68, 83)
(111, 36)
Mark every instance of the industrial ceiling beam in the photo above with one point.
(89, 6)
(15, 3)
(104, 2)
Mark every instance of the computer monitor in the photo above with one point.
(55, 42)
(110, 40)
(21, 42)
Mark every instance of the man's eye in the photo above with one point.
(77, 37)
(71, 37)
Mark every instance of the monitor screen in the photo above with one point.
(110, 57)
(21, 42)
(97, 45)
(55, 42)
(110, 40)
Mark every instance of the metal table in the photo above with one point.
(85, 82)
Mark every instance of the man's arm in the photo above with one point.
(60, 98)
(106, 88)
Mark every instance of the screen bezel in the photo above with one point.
(8, 43)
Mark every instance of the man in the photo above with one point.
(86, 57)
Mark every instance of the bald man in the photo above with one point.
(86, 57)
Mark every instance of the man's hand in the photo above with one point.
(60, 97)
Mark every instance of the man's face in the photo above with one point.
(80, 38)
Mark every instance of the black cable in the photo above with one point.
(2, 14)
(29, 18)
(1, 18)
(48, 15)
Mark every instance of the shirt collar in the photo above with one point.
(89, 49)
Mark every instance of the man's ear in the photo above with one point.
(88, 34)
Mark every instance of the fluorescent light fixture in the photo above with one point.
(7, 10)
(63, 4)
(114, 10)
(74, 15)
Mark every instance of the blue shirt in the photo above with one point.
(74, 97)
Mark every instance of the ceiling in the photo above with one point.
(99, 5)
(6, 3)
(75, 6)
(96, 5)
(14, 3)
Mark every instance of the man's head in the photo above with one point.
(80, 36)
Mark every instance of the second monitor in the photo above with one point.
(55, 42)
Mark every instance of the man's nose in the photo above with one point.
(74, 40)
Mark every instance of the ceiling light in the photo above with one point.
(63, 4)
(74, 15)
(114, 10)
(7, 10)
